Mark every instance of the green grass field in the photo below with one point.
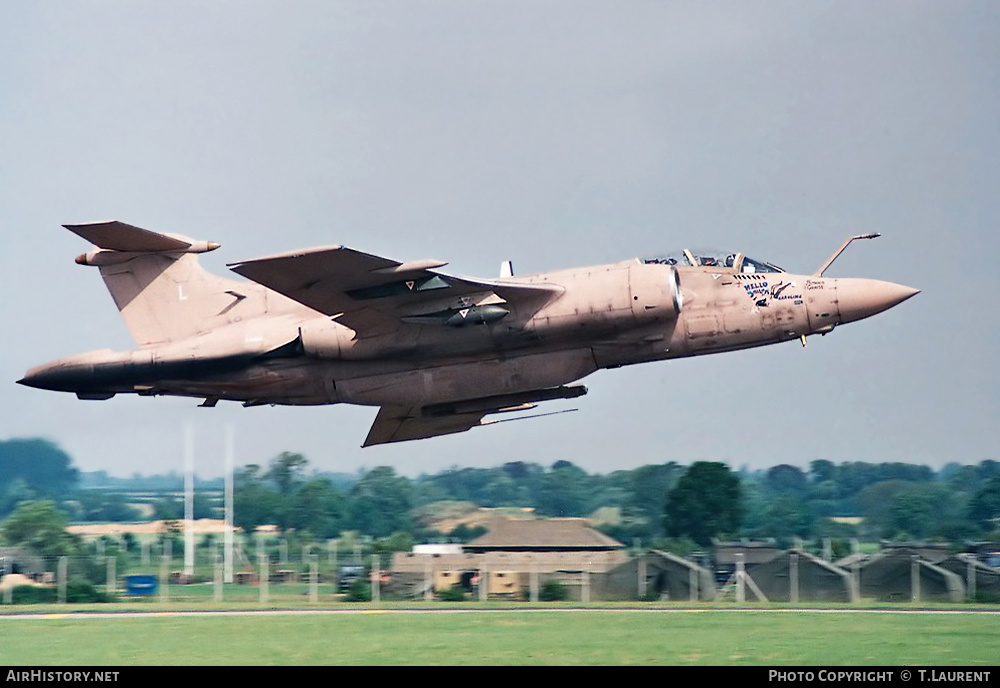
(477, 637)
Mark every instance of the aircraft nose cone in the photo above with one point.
(862, 298)
(39, 377)
(56, 377)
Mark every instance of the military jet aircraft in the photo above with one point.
(435, 352)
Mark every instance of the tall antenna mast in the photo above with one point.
(188, 501)
(228, 550)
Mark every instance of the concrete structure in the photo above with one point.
(899, 574)
(797, 576)
(659, 575)
(982, 582)
(726, 555)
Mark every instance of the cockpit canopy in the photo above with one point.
(737, 262)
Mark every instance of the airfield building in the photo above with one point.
(513, 557)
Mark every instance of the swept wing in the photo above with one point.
(371, 294)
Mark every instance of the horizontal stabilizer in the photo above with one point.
(118, 236)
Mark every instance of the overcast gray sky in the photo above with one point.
(554, 134)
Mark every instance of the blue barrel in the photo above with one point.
(140, 585)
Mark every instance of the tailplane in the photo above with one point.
(159, 287)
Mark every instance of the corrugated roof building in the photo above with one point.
(548, 535)
(509, 555)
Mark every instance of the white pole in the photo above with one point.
(335, 566)
(793, 578)
(970, 579)
(165, 570)
(188, 501)
(61, 579)
(642, 577)
(112, 579)
(228, 534)
(216, 575)
(313, 579)
(264, 574)
(740, 579)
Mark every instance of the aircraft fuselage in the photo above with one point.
(513, 342)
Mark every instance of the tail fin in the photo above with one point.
(159, 287)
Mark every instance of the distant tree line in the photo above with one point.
(33, 469)
(896, 500)
(654, 503)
